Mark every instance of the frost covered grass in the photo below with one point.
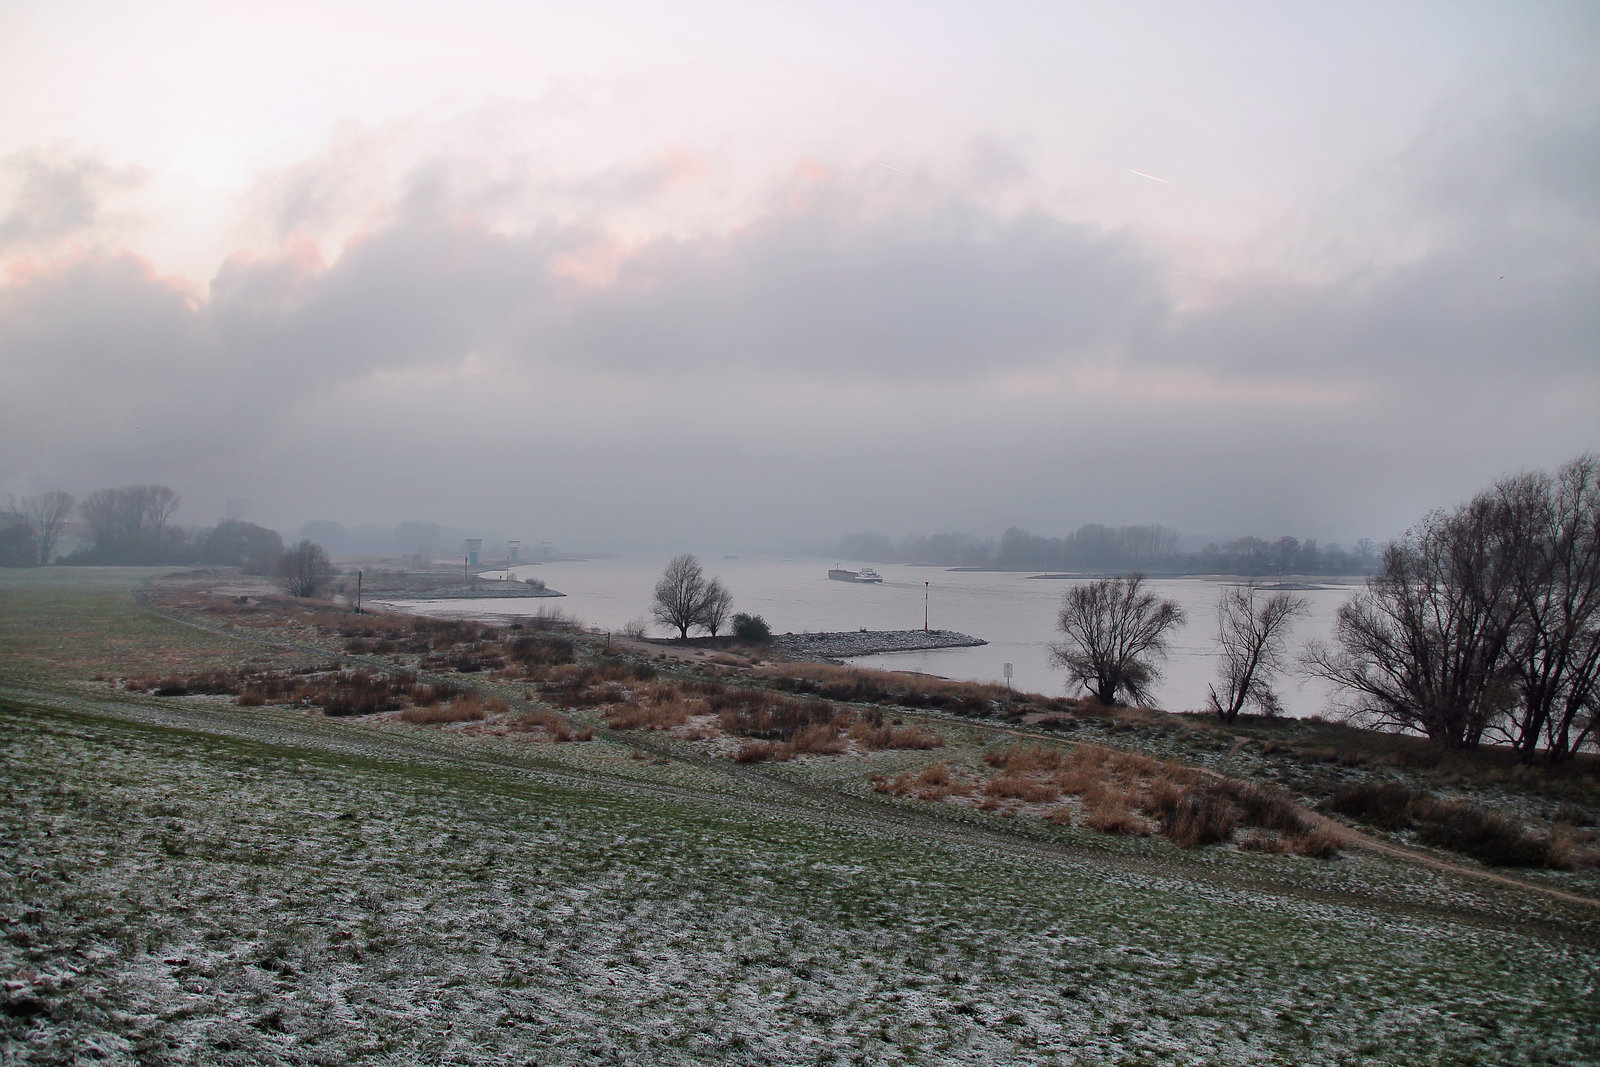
(205, 897)
(199, 882)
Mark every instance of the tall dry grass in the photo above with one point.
(557, 726)
(468, 707)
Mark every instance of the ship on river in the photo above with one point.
(864, 575)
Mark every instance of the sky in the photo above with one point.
(729, 275)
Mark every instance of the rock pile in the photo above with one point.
(869, 642)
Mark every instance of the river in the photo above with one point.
(1015, 613)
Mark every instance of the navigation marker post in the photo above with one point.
(924, 607)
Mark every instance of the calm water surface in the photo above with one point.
(1016, 614)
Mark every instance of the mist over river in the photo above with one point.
(1014, 612)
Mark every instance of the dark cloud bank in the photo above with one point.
(835, 363)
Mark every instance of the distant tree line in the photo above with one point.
(128, 526)
(1094, 548)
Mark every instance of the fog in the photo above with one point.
(733, 277)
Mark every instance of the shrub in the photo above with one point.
(171, 686)
(357, 693)
(1321, 843)
(1111, 811)
(543, 649)
(820, 738)
(753, 713)
(752, 628)
(1385, 805)
(1202, 817)
(1481, 834)
(758, 752)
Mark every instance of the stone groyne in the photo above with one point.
(869, 642)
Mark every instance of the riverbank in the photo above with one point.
(869, 643)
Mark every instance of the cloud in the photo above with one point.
(827, 288)
(52, 196)
(966, 360)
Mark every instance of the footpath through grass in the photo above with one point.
(250, 886)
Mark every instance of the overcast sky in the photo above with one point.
(716, 274)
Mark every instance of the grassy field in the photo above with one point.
(191, 881)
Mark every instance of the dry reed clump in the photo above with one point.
(933, 783)
(863, 686)
(1200, 817)
(544, 650)
(426, 694)
(767, 716)
(640, 716)
(1320, 843)
(1027, 790)
(757, 752)
(336, 692)
(1112, 810)
(660, 705)
(558, 726)
(464, 660)
(821, 739)
(1262, 841)
(1027, 759)
(1134, 793)
(465, 708)
(384, 635)
(573, 686)
(880, 737)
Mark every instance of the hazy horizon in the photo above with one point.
(712, 276)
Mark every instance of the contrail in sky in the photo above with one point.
(897, 170)
(1152, 177)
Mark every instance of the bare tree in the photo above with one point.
(1252, 632)
(45, 515)
(716, 607)
(1426, 646)
(680, 595)
(128, 525)
(16, 540)
(1553, 527)
(1115, 635)
(304, 569)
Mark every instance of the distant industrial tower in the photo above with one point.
(474, 546)
(512, 548)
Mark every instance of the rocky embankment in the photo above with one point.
(869, 642)
(434, 587)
